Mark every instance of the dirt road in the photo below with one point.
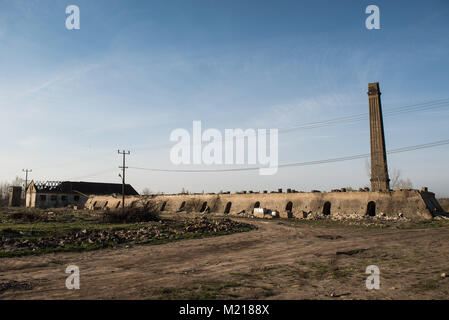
(280, 260)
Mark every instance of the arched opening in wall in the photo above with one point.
(289, 206)
(327, 208)
(256, 205)
(371, 209)
(183, 204)
(163, 206)
(203, 207)
(228, 207)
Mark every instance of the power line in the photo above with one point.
(423, 106)
(300, 164)
(363, 116)
(26, 179)
(94, 174)
(124, 167)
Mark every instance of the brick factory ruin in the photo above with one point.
(379, 201)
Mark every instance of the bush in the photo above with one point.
(3, 203)
(193, 205)
(28, 216)
(148, 212)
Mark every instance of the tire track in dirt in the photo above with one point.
(132, 273)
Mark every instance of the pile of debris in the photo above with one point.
(381, 216)
(21, 241)
(270, 214)
(104, 238)
(243, 214)
(204, 225)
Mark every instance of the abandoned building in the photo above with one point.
(15, 196)
(380, 200)
(52, 194)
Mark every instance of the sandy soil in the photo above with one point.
(280, 260)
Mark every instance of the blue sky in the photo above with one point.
(136, 70)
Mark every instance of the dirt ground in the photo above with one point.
(282, 259)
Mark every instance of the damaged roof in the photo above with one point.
(87, 188)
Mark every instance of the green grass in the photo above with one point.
(69, 223)
(70, 248)
(205, 291)
(429, 284)
(301, 271)
(211, 290)
(48, 229)
(426, 224)
(90, 247)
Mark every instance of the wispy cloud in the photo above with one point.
(61, 78)
(299, 111)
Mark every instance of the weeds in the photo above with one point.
(147, 213)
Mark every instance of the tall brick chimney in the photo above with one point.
(379, 170)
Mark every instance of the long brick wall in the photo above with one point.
(410, 203)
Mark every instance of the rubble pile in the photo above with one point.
(201, 225)
(354, 216)
(339, 216)
(93, 236)
(12, 241)
(244, 214)
(442, 217)
(380, 220)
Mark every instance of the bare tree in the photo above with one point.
(368, 168)
(146, 192)
(397, 182)
(18, 182)
(4, 187)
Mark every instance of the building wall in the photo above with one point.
(30, 199)
(54, 200)
(113, 202)
(411, 203)
(15, 196)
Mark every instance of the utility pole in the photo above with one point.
(124, 167)
(26, 179)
